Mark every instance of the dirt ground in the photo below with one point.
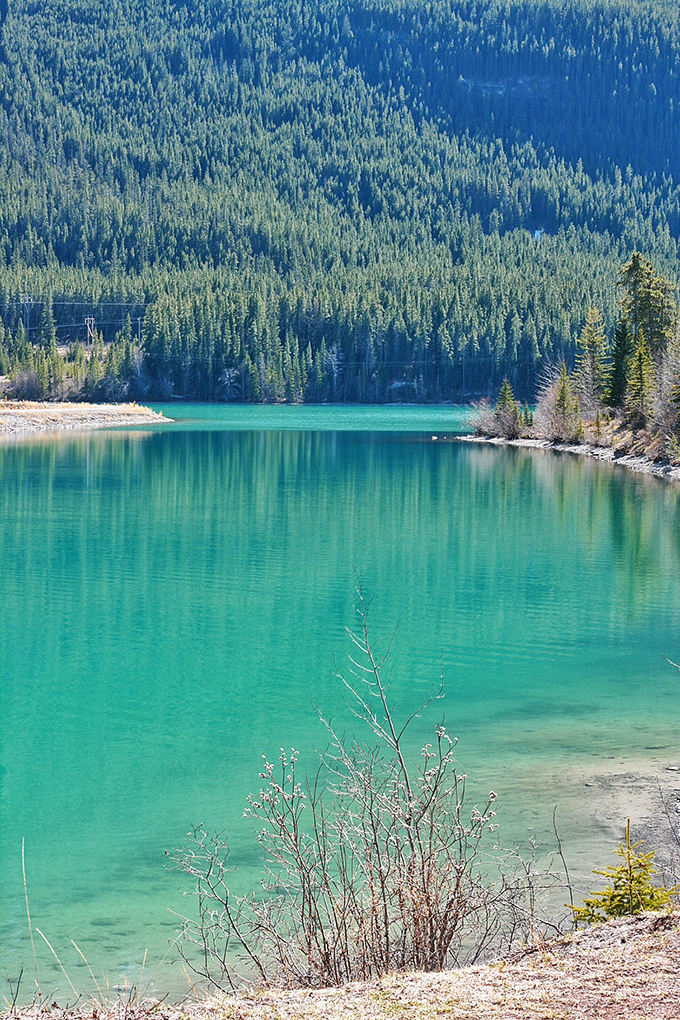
(628, 969)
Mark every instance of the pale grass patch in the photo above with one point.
(627, 969)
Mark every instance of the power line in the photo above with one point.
(82, 304)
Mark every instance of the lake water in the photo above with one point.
(174, 599)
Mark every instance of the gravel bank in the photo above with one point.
(23, 416)
(644, 465)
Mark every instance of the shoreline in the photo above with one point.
(605, 454)
(622, 970)
(27, 417)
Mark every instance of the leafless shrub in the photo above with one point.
(482, 419)
(558, 417)
(586, 389)
(112, 389)
(501, 421)
(27, 385)
(508, 424)
(230, 385)
(665, 421)
(373, 866)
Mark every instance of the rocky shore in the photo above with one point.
(632, 462)
(23, 416)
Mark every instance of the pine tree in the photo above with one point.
(631, 890)
(42, 375)
(598, 427)
(507, 413)
(95, 370)
(567, 408)
(622, 354)
(592, 367)
(659, 312)
(251, 380)
(640, 395)
(47, 330)
(648, 301)
(506, 398)
(634, 279)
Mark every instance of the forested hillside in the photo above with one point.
(365, 200)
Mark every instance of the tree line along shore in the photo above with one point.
(623, 395)
(358, 201)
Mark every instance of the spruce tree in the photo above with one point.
(507, 413)
(648, 301)
(251, 380)
(659, 312)
(42, 375)
(640, 395)
(592, 366)
(567, 406)
(631, 890)
(47, 330)
(622, 354)
(634, 279)
(598, 427)
(506, 398)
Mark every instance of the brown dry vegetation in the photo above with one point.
(18, 416)
(628, 969)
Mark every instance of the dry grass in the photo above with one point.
(628, 969)
(19, 416)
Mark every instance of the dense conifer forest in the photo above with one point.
(351, 200)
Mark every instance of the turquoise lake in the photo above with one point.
(174, 600)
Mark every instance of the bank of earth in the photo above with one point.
(625, 969)
(26, 416)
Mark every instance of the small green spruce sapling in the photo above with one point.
(631, 890)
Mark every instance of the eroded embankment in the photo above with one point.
(23, 416)
(628, 968)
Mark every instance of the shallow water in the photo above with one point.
(174, 600)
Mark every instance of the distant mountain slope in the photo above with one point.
(365, 200)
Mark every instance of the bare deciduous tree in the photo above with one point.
(375, 865)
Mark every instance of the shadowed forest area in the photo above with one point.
(351, 200)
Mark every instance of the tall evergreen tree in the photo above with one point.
(634, 278)
(566, 402)
(506, 398)
(592, 365)
(648, 302)
(622, 349)
(640, 395)
(47, 329)
(507, 413)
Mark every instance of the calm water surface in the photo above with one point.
(173, 602)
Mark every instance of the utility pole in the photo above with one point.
(27, 301)
(89, 326)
